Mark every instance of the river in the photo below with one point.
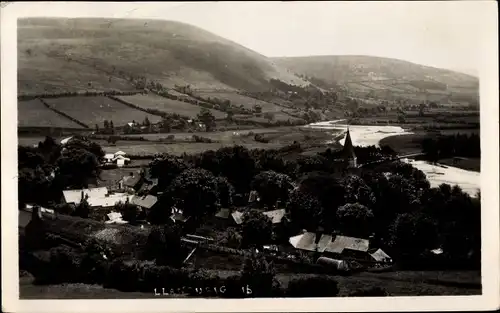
(362, 135)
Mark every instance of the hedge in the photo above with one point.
(49, 95)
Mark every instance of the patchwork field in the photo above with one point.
(152, 101)
(237, 100)
(178, 148)
(94, 110)
(33, 113)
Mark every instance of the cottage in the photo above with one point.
(96, 197)
(66, 140)
(132, 181)
(145, 202)
(310, 242)
(109, 157)
(75, 196)
(344, 242)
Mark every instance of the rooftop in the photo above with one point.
(344, 242)
(275, 215)
(75, 195)
(147, 201)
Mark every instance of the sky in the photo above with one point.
(439, 34)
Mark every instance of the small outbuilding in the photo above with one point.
(339, 265)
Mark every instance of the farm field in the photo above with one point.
(152, 101)
(32, 113)
(95, 110)
(179, 148)
(237, 100)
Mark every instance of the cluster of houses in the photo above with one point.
(118, 158)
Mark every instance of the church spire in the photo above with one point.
(348, 151)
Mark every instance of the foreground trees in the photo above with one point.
(195, 192)
(271, 187)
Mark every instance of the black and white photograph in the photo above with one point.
(251, 150)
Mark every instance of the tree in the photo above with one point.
(207, 118)
(106, 124)
(421, 108)
(259, 275)
(257, 108)
(355, 219)
(230, 238)
(96, 128)
(229, 115)
(328, 190)
(130, 212)
(195, 192)
(272, 186)
(237, 164)
(356, 190)
(166, 168)
(112, 127)
(225, 191)
(164, 245)
(166, 124)
(412, 234)
(269, 116)
(146, 122)
(305, 210)
(257, 229)
(76, 168)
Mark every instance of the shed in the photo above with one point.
(237, 217)
(340, 265)
(275, 215)
(380, 256)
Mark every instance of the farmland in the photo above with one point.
(152, 101)
(33, 113)
(95, 110)
(241, 100)
(275, 138)
(177, 148)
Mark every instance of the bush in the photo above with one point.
(65, 208)
(63, 267)
(317, 286)
(258, 274)
(369, 292)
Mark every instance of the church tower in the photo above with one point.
(348, 152)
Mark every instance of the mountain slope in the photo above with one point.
(56, 54)
(364, 73)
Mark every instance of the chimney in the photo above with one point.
(36, 213)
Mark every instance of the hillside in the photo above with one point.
(363, 74)
(56, 54)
